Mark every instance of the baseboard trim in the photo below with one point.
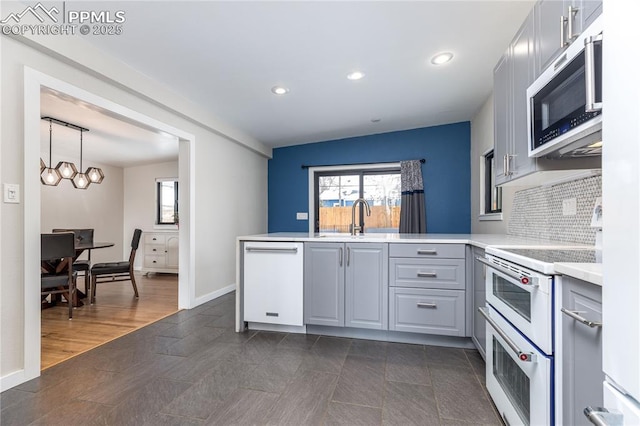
(214, 294)
(11, 380)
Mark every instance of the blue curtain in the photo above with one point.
(413, 216)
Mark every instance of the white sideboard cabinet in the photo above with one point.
(159, 251)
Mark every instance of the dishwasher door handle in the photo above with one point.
(273, 249)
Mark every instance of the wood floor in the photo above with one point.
(116, 313)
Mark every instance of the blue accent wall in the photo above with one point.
(446, 173)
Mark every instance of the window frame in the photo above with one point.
(356, 169)
(176, 192)
(486, 189)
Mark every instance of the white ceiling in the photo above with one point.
(226, 56)
(111, 139)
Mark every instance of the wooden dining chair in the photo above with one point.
(116, 271)
(54, 279)
(82, 265)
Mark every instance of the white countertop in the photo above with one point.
(590, 272)
(478, 240)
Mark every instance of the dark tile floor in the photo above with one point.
(193, 369)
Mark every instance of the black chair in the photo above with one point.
(56, 278)
(81, 265)
(116, 271)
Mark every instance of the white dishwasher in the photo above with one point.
(273, 282)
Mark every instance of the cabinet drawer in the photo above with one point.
(427, 311)
(154, 261)
(154, 239)
(154, 249)
(450, 251)
(427, 273)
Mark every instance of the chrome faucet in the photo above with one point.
(355, 228)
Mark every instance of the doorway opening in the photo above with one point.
(182, 285)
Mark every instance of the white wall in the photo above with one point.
(140, 198)
(99, 207)
(230, 171)
(481, 141)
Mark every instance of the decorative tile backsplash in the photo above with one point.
(537, 212)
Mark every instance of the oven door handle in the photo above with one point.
(531, 281)
(522, 356)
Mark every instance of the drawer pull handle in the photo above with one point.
(154, 238)
(426, 305)
(155, 261)
(427, 274)
(427, 251)
(154, 250)
(272, 314)
(576, 316)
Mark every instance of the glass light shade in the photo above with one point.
(50, 177)
(67, 170)
(95, 174)
(81, 181)
(42, 166)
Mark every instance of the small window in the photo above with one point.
(492, 193)
(167, 201)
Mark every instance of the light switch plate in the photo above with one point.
(569, 207)
(302, 216)
(11, 192)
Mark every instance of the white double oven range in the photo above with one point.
(520, 287)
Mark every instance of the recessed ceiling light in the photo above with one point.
(356, 75)
(442, 58)
(279, 90)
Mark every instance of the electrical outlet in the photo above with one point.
(302, 216)
(569, 207)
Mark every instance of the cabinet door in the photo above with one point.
(581, 351)
(588, 11)
(324, 284)
(366, 293)
(522, 75)
(172, 251)
(479, 300)
(549, 31)
(502, 116)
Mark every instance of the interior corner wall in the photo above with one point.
(229, 181)
(446, 173)
(482, 140)
(140, 199)
(99, 207)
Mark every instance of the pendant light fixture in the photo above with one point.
(50, 176)
(81, 180)
(66, 169)
(95, 174)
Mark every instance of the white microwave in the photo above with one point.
(564, 112)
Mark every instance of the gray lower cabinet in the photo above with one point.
(324, 284)
(579, 376)
(346, 285)
(366, 292)
(427, 288)
(432, 311)
(479, 299)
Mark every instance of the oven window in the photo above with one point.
(513, 296)
(512, 380)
